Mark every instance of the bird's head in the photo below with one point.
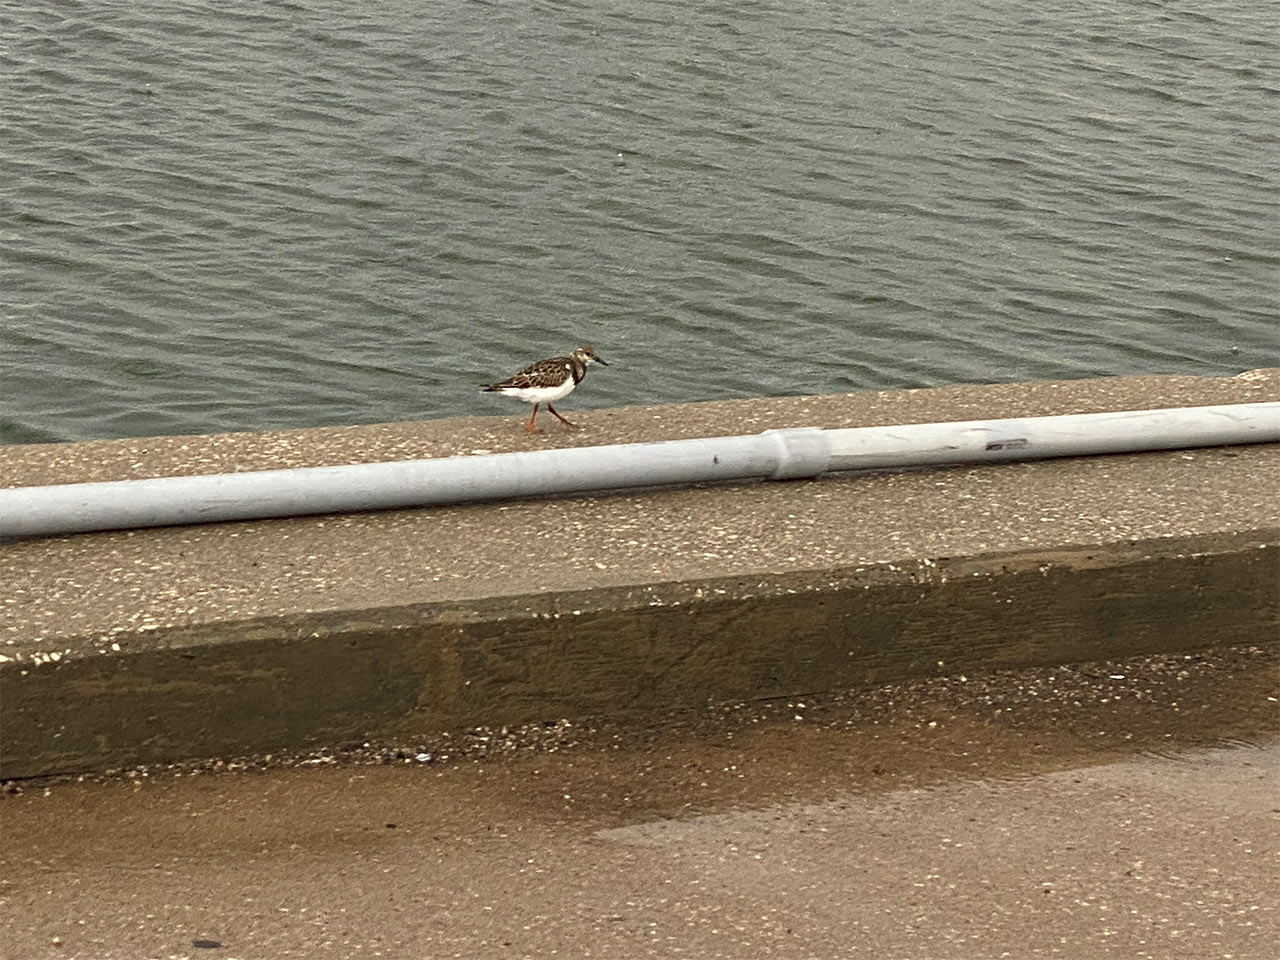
(587, 355)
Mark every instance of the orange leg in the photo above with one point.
(530, 426)
(571, 426)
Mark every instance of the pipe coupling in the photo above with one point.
(800, 452)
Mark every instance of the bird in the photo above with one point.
(548, 380)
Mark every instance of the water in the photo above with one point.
(233, 215)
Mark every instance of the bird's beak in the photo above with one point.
(602, 360)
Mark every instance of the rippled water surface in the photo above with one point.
(233, 215)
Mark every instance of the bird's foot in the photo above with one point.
(555, 413)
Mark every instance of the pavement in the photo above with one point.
(150, 645)
(1121, 808)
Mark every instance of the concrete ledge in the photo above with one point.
(146, 646)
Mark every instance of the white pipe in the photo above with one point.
(775, 454)
(1069, 435)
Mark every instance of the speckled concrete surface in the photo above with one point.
(1116, 809)
(131, 593)
(101, 585)
(34, 464)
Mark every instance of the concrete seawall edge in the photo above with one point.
(423, 660)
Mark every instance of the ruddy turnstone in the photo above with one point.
(548, 380)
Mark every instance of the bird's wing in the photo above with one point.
(539, 374)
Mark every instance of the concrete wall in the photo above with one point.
(146, 646)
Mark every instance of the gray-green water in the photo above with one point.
(234, 215)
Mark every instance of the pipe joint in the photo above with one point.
(801, 452)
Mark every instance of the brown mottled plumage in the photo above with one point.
(548, 380)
